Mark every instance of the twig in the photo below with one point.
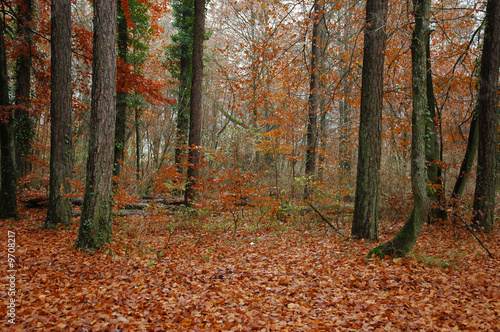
(166, 245)
(325, 219)
(470, 230)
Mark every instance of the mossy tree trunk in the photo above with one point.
(313, 103)
(8, 200)
(23, 123)
(121, 94)
(195, 105)
(181, 56)
(404, 241)
(484, 194)
(61, 137)
(365, 218)
(95, 224)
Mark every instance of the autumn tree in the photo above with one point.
(8, 199)
(484, 194)
(95, 224)
(61, 138)
(406, 238)
(365, 218)
(23, 123)
(195, 97)
(312, 106)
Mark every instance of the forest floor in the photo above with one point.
(174, 273)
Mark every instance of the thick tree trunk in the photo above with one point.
(365, 218)
(23, 123)
(404, 241)
(95, 224)
(121, 94)
(432, 152)
(469, 157)
(484, 195)
(8, 200)
(61, 138)
(181, 54)
(195, 108)
(312, 106)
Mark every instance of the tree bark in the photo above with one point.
(195, 107)
(121, 94)
(183, 41)
(8, 199)
(484, 194)
(23, 123)
(95, 224)
(365, 218)
(312, 105)
(404, 241)
(61, 138)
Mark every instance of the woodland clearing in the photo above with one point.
(178, 273)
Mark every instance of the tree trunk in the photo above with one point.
(470, 156)
(121, 94)
(365, 219)
(484, 195)
(345, 154)
(95, 224)
(23, 124)
(61, 138)
(312, 106)
(195, 108)
(137, 145)
(404, 241)
(345, 111)
(432, 152)
(8, 201)
(181, 55)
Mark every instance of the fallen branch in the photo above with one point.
(470, 230)
(325, 219)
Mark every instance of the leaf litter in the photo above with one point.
(287, 277)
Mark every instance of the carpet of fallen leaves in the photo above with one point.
(163, 273)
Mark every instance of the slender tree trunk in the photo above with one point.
(182, 117)
(8, 200)
(121, 95)
(484, 195)
(312, 106)
(470, 156)
(365, 219)
(61, 138)
(432, 151)
(345, 111)
(137, 145)
(345, 140)
(195, 107)
(95, 224)
(23, 123)
(404, 241)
